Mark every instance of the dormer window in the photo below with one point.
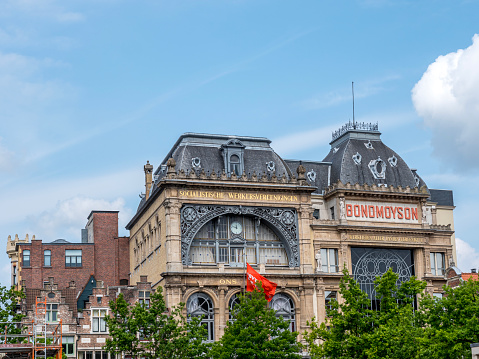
(233, 156)
(235, 165)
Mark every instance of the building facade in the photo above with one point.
(216, 202)
(73, 266)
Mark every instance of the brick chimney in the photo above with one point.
(148, 171)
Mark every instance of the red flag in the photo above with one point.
(252, 277)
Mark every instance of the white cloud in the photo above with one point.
(447, 98)
(68, 216)
(467, 256)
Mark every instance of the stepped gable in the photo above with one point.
(358, 155)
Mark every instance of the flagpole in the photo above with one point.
(244, 267)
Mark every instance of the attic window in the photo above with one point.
(378, 168)
(235, 165)
(233, 156)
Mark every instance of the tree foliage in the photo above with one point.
(256, 332)
(9, 299)
(154, 332)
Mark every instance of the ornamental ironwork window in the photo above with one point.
(47, 258)
(52, 313)
(98, 320)
(329, 260)
(26, 258)
(283, 306)
(369, 263)
(438, 263)
(201, 305)
(227, 239)
(234, 301)
(73, 258)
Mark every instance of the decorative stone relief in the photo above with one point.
(284, 220)
(318, 261)
(335, 149)
(378, 168)
(270, 166)
(393, 161)
(342, 208)
(311, 175)
(196, 162)
(417, 180)
(357, 158)
(369, 145)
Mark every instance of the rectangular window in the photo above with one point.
(67, 344)
(329, 297)
(144, 298)
(73, 258)
(329, 260)
(47, 258)
(332, 213)
(52, 313)
(14, 275)
(26, 258)
(438, 263)
(98, 320)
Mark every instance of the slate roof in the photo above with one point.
(442, 197)
(317, 173)
(369, 147)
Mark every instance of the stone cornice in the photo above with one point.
(433, 229)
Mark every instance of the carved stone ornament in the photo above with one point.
(335, 149)
(196, 162)
(378, 168)
(284, 220)
(311, 176)
(369, 145)
(416, 179)
(357, 158)
(271, 166)
(393, 161)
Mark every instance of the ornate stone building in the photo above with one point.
(215, 200)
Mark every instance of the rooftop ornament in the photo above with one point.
(363, 126)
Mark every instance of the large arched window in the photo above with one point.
(234, 301)
(284, 307)
(201, 305)
(225, 239)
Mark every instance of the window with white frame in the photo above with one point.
(68, 345)
(26, 258)
(52, 313)
(438, 263)
(329, 260)
(47, 258)
(73, 258)
(98, 320)
(144, 298)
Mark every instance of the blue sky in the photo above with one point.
(90, 90)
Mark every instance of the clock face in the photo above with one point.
(236, 228)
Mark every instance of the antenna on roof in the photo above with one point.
(352, 89)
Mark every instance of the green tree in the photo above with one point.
(256, 332)
(452, 322)
(356, 331)
(154, 332)
(9, 299)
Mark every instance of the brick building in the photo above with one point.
(74, 267)
(84, 333)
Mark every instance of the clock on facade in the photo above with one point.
(236, 228)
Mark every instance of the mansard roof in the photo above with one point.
(358, 155)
